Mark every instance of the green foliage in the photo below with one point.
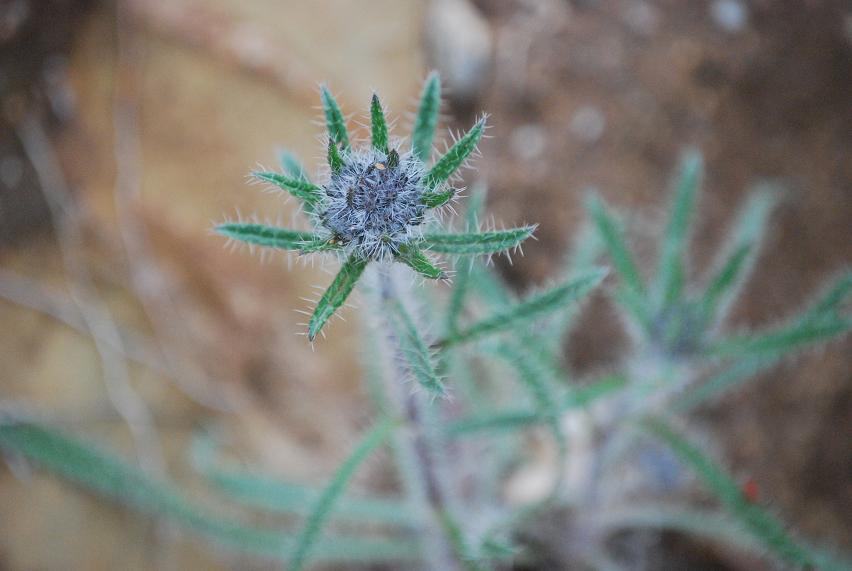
(671, 272)
(292, 166)
(613, 238)
(426, 119)
(414, 350)
(305, 191)
(113, 478)
(754, 518)
(318, 518)
(417, 261)
(379, 125)
(474, 243)
(272, 237)
(436, 199)
(519, 315)
(741, 252)
(336, 294)
(334, 120)
(455, 157)
(335, 161)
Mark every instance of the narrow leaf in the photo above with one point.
(833, 298)
(444, 168)
(613, 238)
(436, 199)
(415, 259)
(334, 119)
(324, 506)
(335, 161)
(305, 191)
(269, 236)
(729, 378)
(670, 275)
(291, 166)
(477, 242)
(522, 313)
(414, 350)
(757, 521)
(508, 420)
(739, 257)
(379, 125)
(787, 339)
(336, 294)
(113, 478)
(427, 117)
(463, 268)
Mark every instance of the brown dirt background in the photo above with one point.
(218, 91)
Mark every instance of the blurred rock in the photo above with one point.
(459, 45)
(588, 124)
(730, 15)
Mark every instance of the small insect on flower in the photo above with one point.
(376, 202)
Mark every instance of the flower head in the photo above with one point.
(373, 203)
(376, 202)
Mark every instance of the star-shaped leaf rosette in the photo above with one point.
(379, 202)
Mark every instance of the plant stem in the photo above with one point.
(416, 451)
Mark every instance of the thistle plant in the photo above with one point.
(376, 200)
(468, 384)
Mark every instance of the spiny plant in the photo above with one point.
(499, 356)
(375, 202)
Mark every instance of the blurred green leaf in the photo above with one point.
(326, 503)
(520, 314)
(670, 275)
(754, 519)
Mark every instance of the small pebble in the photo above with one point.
(588, 124)
(528, 141)
(730, 15)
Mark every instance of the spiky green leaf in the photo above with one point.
(292, 166)
(268, 494)
(463, 268)
(521, 314)
(436, 199)
(757, 521)
(305, 191)
(269, 236)
(415, 259)
(336, 294)
(335, 161)
(474, 243)
(379, 125)
(426, 119)
(334, 120)
(326, 503)
(414, 349)
(613, 238)
(455, 157)
(670, 275)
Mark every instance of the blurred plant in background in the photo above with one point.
(468, 384)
